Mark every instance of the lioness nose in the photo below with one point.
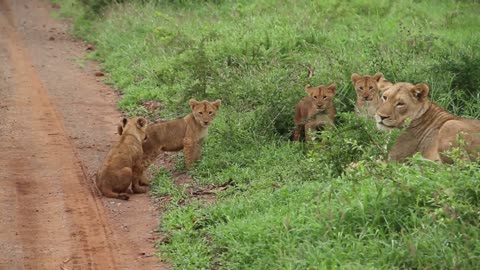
(384, 117)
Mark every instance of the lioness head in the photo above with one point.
(204, 111)
(400, 102)
(322, 96)
(136, 125)
(367, 86)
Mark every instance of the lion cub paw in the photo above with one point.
(123, 196)
(139, 189)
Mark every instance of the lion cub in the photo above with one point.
(367, 88)
(186, 133)
(314, 111)
(115, 176)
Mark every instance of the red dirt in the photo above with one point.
(56, 123)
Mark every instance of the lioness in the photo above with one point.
(314, 111)
(115, 176)
(431, 130)
(367, 88)
(186, 133)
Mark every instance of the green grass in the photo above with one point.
(290, 206)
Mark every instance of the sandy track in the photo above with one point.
(57, 122)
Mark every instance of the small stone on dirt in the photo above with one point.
(90, 47)
(99, 74)
(51, 38)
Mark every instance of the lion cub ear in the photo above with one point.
(378, 76)
(192, 102)
(333, 88)
(124, 122)
(119, 129)
(216, 103)
(420, 91)
(309, 89)
(355, 77)
(141, 122)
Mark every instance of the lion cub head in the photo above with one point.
(136, 126)
(400, 102)
(367, 87)
(322, 96)
(204, 111)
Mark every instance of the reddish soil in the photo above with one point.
(57, 120)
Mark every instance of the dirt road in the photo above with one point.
(57, 121)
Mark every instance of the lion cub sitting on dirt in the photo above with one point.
(367, 88)
(116, 174)
(186, 133)
(314, 111)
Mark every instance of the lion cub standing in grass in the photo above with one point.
(186, 133)
(367, 88)
(116, 174)
(314, 111)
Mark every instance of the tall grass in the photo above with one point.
(338, 204)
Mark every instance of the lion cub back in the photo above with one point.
(114, 177)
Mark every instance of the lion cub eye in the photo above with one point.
(315, 97)
(200, 113)
(370, 88)
(361, 88)
(210, 113)
(384, 98)
(324, 97)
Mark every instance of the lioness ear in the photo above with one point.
(216, 103)
(192, 102)
(141, 122)
(119, 129)
(332, 87)
(124, 122)
(420, 91)
(355, 77)
(378, 76)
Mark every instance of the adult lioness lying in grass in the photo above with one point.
(314, 111)
(116, 174)
(431, 130)
(367, 88)
(186, 133)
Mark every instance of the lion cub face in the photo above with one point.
(204, 111)
(367, 86)
(400, 102)
(136, 126)
(322, 96)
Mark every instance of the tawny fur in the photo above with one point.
(367, 88)
(430, 130)
(314, 111)
(186, 133)
(115, 176)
